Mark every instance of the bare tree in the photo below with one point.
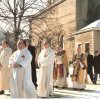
(14, 14)
(47, 27)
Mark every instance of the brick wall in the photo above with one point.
(72, 15)
(96, 40)
(83, 38)
(81, 13)
(66, 12)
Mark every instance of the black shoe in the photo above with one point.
(94, 82)
(2, 92)
(64, 87)
(75, 89)
(50, 95)
(44, 97)
(82, 89)
(56, 86)
(36, 86)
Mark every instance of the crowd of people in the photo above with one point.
(18, 69)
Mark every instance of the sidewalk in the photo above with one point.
(91, 92)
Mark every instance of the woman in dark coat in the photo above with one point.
(96, 65)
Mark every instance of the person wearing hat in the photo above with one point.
(79, 77)
(46, 64)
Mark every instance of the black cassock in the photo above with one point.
(33, 67)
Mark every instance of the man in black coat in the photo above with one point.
(34, 77)
(96, 65)
(90, 65)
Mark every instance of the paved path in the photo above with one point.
(91, 92)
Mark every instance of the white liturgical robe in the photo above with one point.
(21, 81)
(46, 64)
(5, 71)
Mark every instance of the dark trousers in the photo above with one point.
(90, 72)
(95, 76)
(34, 76)
(91, 76)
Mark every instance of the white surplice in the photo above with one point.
(5, 71)
(46, 64)
(21, 81)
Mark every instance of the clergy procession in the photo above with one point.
(18, 69)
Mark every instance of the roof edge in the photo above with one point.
(86, 30)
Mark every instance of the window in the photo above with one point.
(87, 47)
(62, 41)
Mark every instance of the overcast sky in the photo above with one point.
(37, 5)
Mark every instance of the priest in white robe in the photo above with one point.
(4, 68)
(21, 81)
(46, 64)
